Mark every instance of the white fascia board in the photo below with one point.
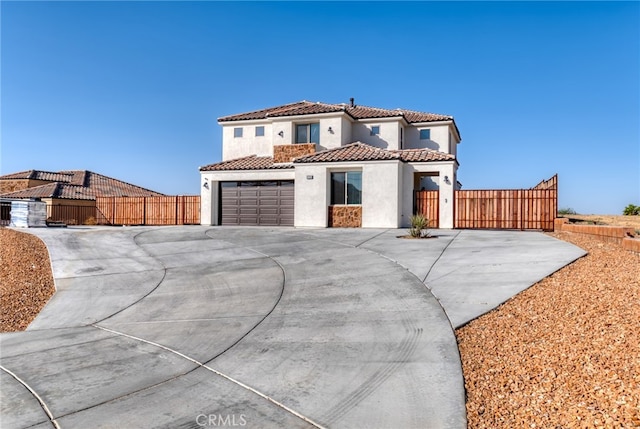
(240, 175)
(431, 123)
(244, 122)
(434, 163)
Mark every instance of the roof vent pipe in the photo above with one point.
(351, 100)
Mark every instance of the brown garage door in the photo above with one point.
(257, 203)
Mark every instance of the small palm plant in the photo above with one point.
(419, 225)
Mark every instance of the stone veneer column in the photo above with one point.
(345, 216)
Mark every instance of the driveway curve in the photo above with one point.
(187, 327)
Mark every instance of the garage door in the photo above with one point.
(257, 203)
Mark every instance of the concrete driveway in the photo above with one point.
(188, 327)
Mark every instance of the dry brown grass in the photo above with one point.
(613, 220)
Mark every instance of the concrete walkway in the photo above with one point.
(187, 327)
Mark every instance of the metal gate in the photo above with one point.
(268, 203)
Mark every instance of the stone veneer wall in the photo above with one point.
(287, 152)
(345, 216)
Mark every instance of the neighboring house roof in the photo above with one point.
(352, 152)
(39, 175)
(75, 184)
(363, 152)
(356, 112)
(252, 162)
(54, 190)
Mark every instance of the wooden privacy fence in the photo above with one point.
(169, 210)
(534, 208)
(71, 215)
(427, 203)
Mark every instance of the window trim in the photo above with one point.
(237, 132)
(308, 131)
(261, 127)
(346, 188)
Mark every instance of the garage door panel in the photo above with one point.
(269, 202)
(270, 211)
(257, 203)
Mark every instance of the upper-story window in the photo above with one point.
(375, 130)
(425, 134)
(308, 133)
(259, 131)
(237, 132)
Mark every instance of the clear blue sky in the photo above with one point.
(133, 89)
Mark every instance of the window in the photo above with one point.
(375, 130)
(237, 132)
(259, 131)
(425, 134)
(308, 133)
(346, 188)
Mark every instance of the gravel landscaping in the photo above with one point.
(565, 353)
(26, 281)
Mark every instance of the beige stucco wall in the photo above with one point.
(381, 184)
(442, 169)
(312, 193)
(343, 131)
(248, 144)
(388, 137)
(439, 138)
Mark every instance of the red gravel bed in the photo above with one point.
(565, 353)
(26, 281)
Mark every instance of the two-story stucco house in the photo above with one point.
(311, 164)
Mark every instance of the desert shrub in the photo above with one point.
(567, 211)
(631, 210)
(419, 225)
(90, 221)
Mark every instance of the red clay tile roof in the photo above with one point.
(39, 175)
(363, 152)
(54, 190)
(292, 109)
(352, 152)
(423, 155)
(356, 112)
(252, 162)
(75, 184)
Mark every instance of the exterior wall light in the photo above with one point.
(281, 133)
(330, 130)
(446, 179)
